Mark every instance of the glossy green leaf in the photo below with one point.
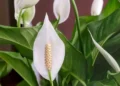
(22, 38)
(111, 6)
(19, 64)
(102, 27)
(113, 44)
(74, 61)
(102, 31)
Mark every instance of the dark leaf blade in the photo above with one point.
(74, 61)
(103, 83)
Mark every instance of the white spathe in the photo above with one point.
(48, 35)
(28, 10)
(21, 4)
(112, 62)
(28, 15)
(96, 7)
(61, 8)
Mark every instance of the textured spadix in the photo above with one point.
(47, 35)
(61, 9)
(112, 62)
(96, 7)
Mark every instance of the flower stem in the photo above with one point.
(78, 24)
(19, 19)
(57, 23)
(51, 82)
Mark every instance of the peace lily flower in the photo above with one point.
(96, 8)
(61, 9)
(48, 51)
(25, 9)
(112, 62)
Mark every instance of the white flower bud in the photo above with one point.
(96, 8)
(61, 9)
(27, 9)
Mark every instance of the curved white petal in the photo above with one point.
(46, 35)
(21, 4)
(29, 6)
(36, 74)
(28, 15)
(17, 16)
(96, 8)
(112, 62)
(61, 8)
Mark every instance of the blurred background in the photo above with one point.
(7, 18)
(44, 6)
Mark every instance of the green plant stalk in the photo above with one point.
(78, 24)
(49, 74)
(19, 19)
(57, 23)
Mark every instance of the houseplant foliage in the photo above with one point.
(89, 58)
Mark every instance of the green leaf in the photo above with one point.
(4, 68)
(103, 83)
(19, 64)
(116, 76)
(113, 45)
(44, 82)
(102, 28)
(22, 38)
(85, 20)
(74, 61)
(102, 31)
(111, 6)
